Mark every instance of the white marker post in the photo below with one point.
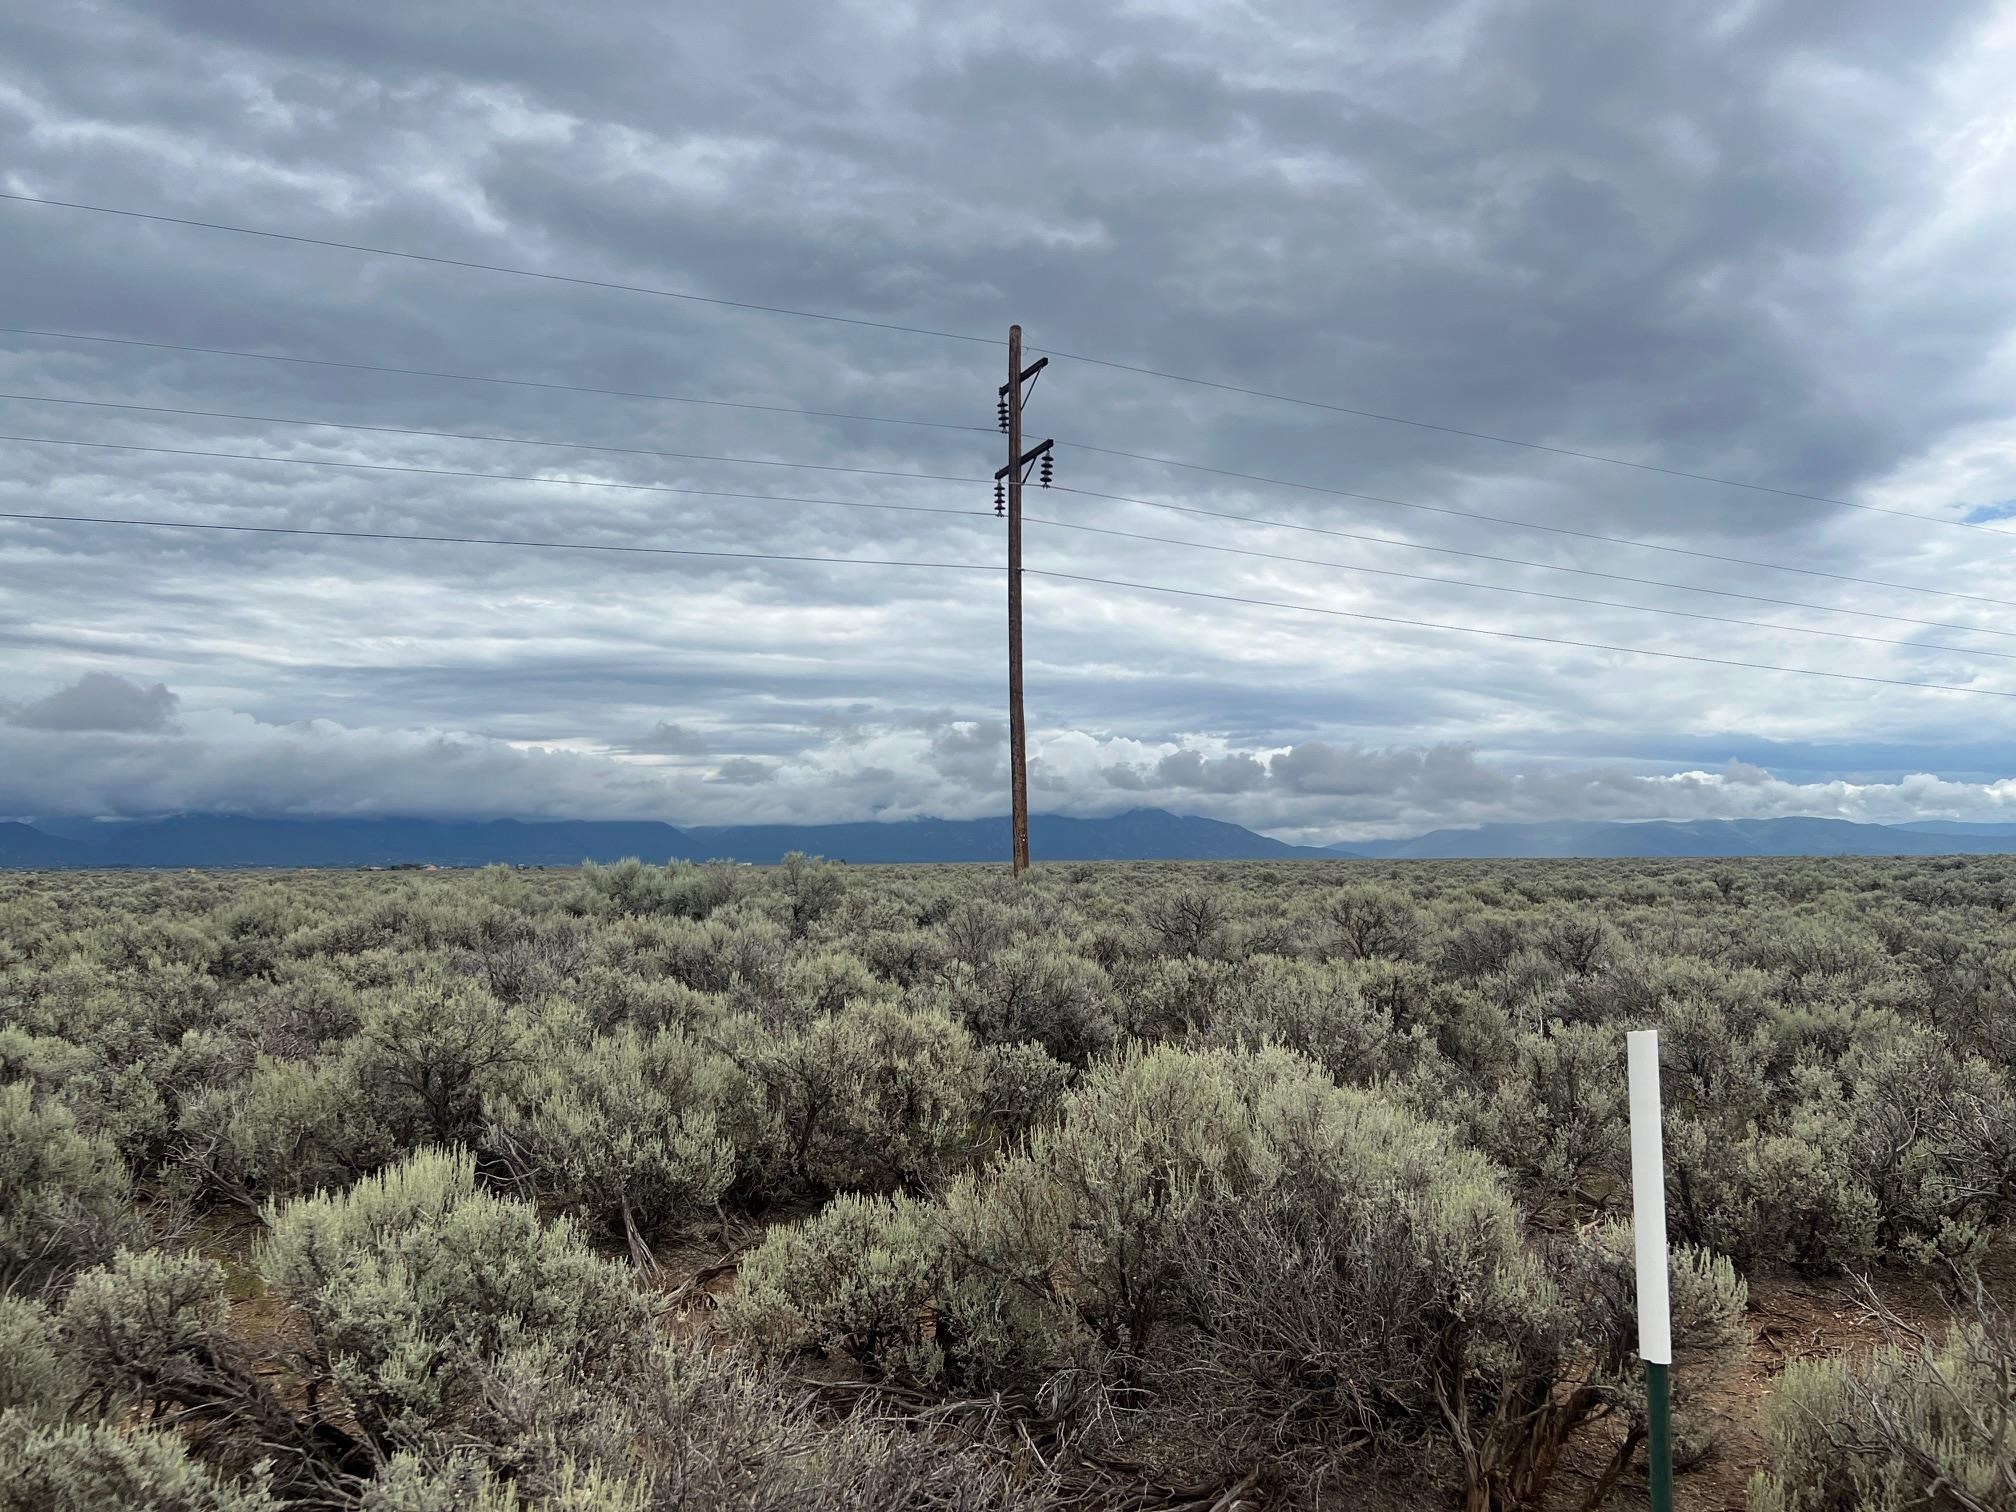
(1648, 1211)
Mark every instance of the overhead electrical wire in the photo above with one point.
(1139, 370)
(453, 472)
(527, 383)
(1518, 635)
(483, 267)
(1319, 488)
(1565, 598)
(508, 541)
(952, 478)
(403, 430)
(1075, 577)
(1247, 477)
(1511, 561)
(1686, 551)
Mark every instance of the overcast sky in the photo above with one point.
(1765, 241)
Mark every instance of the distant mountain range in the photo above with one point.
(205, 840)
(1694, 837)
(209, 840)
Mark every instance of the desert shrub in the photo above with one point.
(39, 1377)
(680, 889)
(411, 1483)
(65, 1197)
(91, 1467)
(1482, 944)
(1371, 923)
(610, 997)
(1556, 1119)
(726, 952)
(1934, 1143)
(1309, 1260)
(906, 956)
(146, 1324)
(1396, 1299)
(1185, 922)
(1787, 1195)
(871, 1097)
(709, 1429)
(1031, 994)
(520, 959)
(857, 1280)
(1318, 1010)
(419, 1289)
(150, 1331)
(1920, 1424)
(812, 984)
(122, 1102)
(1578, 942)
(303, 1008)
(1020, 1087)
(289, 1128)
(426, 1057)
(811, 888)
(622, 1130)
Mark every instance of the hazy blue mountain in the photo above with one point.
(1138, 835)
(204, 840)
(1697, 837)
(24, 845)
(230, 840)
(1956, 827)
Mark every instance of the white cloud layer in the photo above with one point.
(1312, 791)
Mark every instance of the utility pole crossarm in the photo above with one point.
(1026, 460)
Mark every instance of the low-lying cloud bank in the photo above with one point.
(105, 747)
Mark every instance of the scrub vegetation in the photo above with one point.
(1167, 1187)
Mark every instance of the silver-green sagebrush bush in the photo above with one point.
(419, 1288)
(623, 1130)
(39, 1375)
(65, 1197)
(1919, 1424)
(90, 1467)
(1312, 1262)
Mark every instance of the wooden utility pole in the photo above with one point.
(1019, 461)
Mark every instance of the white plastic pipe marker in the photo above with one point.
(1648, 1198)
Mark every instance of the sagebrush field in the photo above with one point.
(1151, 1187)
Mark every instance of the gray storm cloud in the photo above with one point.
(100, 701)
(1758, 240)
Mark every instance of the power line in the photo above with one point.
(1565, 598)
(483, 267)
(1590, 535)
(1454, 430)
(962, 336)
(450, 472)
(896, 508)
(400, 430)
(1081, 446)
(1227, 472)
(1519, 635)
(450, 540)
(952, 478)
(1511, 561)
(1196, 593)
(528, 383)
